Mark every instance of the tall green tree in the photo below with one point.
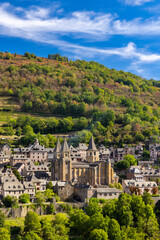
(32, 222)
(98, 234)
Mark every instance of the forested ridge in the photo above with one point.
(115, 106)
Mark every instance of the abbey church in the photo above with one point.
(87, 170)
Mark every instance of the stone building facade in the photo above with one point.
(91, 170)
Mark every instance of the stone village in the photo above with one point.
(76, 173)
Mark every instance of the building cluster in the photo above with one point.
(140, 179)
(76, 172)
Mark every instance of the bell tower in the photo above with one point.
(55, 164)
(92, 152)
(109, 172)
(65, 162)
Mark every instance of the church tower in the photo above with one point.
(55, 165)
(109, 172)
(92, 152)
(65, 163)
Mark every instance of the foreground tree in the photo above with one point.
(98, 234)
(32, 222)
(79, 222)
(4, 234)
(32, 236)
(114, 231)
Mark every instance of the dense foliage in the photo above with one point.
(116, 106)
(126, 218)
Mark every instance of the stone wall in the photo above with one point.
(22, 210)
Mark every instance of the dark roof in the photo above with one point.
(92, 145)
(57, 147)
(4, 144)
(18, 165)
(41, 175)
(65, 147)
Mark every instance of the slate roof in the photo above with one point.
(92, 145)
(65, 147)
(57, 147)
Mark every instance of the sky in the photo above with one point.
(121, 34)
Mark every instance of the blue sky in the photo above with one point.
(121, 34)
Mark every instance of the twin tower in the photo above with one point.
(90, 171)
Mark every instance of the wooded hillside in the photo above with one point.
(116, 106)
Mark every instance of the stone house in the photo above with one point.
(140, 185)
(5, 153)
(34, 153)
(83, 192)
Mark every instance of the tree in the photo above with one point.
(2, 219)
(61, 218)
(114, 231)
(97, 221)
(123, 211)
(107, 117)
(47, 230)
(131, 159)
(40, 198)
(7, 201)
(137, 207)
(154, 190)
(49, 185)
(61, 229)
(8, 56)
(4, 234)
(109, 208)
(98, 234)
(50, 209)
(122, 165)
(147, 198)
(93, 208)
(31, 236)
(28, 130)
(24, 198)
(130, 233)
(146, 155)
(79, 222)
(32, 222)
(49, 194)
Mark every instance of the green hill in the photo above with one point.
(55, 95)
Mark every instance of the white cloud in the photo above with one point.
(136, 2)
(38, 24)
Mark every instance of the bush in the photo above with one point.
(24, 198)
(8, 201)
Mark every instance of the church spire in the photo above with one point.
(65, 147)
(57, 147)
(92, 145)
